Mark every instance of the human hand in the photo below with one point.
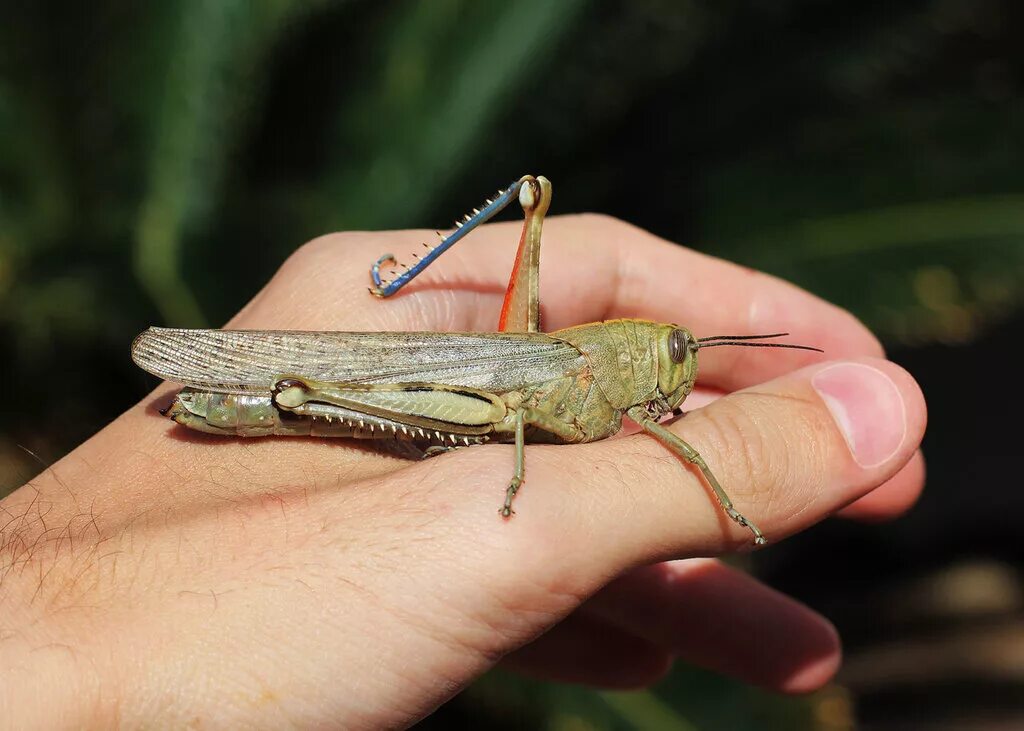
(156, 573)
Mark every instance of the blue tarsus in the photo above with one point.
(470, 222)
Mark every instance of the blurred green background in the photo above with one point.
(872, 152)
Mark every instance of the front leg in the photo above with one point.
(541, 420)
(680, 447)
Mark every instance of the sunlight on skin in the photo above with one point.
(346, 574)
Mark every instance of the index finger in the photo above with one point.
(648, 277)
(592, 268)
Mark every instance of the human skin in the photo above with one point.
(158, 575)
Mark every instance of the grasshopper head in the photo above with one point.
(677, 365)
(677, 359)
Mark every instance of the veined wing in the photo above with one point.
(252, 360)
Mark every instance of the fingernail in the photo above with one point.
(867, 407)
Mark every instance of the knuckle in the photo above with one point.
(303, 260)
(595, 218)
(605, 223)
(314, 252)
(327, 257)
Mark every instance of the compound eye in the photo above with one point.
(678, 344)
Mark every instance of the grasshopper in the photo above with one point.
(438, 391)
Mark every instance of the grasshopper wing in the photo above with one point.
(253, 360)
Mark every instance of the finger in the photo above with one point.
(700, 610)
(893, 498)
(583, 649)
(594, 268)
(888, 501)
(794, 450)
(721, 619)
(789, 453)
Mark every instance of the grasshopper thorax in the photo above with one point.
(637, 362)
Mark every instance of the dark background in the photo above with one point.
(158, 161)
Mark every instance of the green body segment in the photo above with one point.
(226, 413)
(245, 415)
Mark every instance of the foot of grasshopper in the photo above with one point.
(513, 487)
(759, 538)
(517, 478)
(691, 455)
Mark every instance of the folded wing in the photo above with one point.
(253, 360)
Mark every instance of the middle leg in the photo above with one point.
(541, 420)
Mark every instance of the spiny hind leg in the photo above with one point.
(532, 417)
(413, 449)
(463, 226)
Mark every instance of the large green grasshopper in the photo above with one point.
(437, 391)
